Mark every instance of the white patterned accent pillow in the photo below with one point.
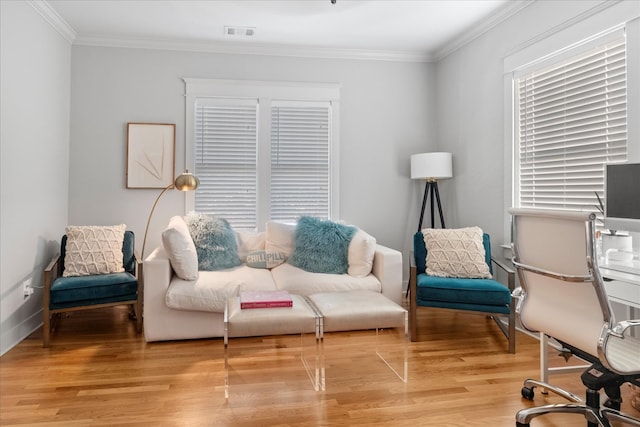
(93, 250)
(456, 253)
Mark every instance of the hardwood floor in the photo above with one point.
(99, 372)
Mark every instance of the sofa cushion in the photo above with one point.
(86, 290)
(361, 251)
(215, 242)
(212, 288)
(485, 295)
(280, 237)
(301, 282)
(321, 246)
(456, 253)
(93, 250)
(180, 248)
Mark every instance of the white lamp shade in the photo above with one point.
(431, 166)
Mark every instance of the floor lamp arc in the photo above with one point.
(186, 181)
(431, 167)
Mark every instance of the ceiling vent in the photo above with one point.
(239, 31)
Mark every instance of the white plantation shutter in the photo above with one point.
(226, 160)
(571, 118)
(300, 161)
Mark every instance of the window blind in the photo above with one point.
(571, 119)
(225, 160)
(300, 161)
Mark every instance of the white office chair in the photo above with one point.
(564, 298)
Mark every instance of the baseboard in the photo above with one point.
(15, 335)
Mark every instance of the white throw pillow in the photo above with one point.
(456, 253)
(250, 241)
(93, 250)
(280, 237)
(180, 248)
(361, 251)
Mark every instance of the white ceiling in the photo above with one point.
(415, 29)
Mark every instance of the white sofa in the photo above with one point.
(176, 309)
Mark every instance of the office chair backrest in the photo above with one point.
(563, 294)
(128, 249)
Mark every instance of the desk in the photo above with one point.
(622, 287)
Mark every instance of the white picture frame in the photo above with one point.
(150, 155)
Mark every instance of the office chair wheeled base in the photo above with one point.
(524, 416)
(596, 415)
(602, 419)
(529, 385)
(612, 414)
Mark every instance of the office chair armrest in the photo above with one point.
(511, 274)
(620, 327)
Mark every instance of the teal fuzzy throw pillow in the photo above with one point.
(215, 242)
(321, 246)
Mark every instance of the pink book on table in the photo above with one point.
(265, 299)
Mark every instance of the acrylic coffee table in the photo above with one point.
(366, 310)
(302, 318)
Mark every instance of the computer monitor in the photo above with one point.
(622, 197)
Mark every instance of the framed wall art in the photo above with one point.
(150, 155)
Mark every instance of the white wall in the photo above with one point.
(386, 114)
(389, 110)
(35, 71)
(471, 113)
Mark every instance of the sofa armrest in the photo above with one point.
(157, 277)
(387, 267)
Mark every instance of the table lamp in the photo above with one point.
(184, 182)
(431, 167)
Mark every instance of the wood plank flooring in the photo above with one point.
(98, 372)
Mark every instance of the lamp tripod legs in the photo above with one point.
(434, 190)
(431, 189)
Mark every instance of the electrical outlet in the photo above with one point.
(27, 288)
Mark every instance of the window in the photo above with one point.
(571, 119)
(271, 155)
(300, 162)
(226, 159)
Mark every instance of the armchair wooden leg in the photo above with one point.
(512, 332)
(138, 308)
(46, 328)
(512, 316)
(413, 327)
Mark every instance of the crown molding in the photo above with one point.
(51, 16)
(604, 4)
(54, 19)
(506, 12)
(253, 49)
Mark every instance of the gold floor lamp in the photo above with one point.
(186, 181)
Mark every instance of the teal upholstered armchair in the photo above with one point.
(481, 295)
(82, 292)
